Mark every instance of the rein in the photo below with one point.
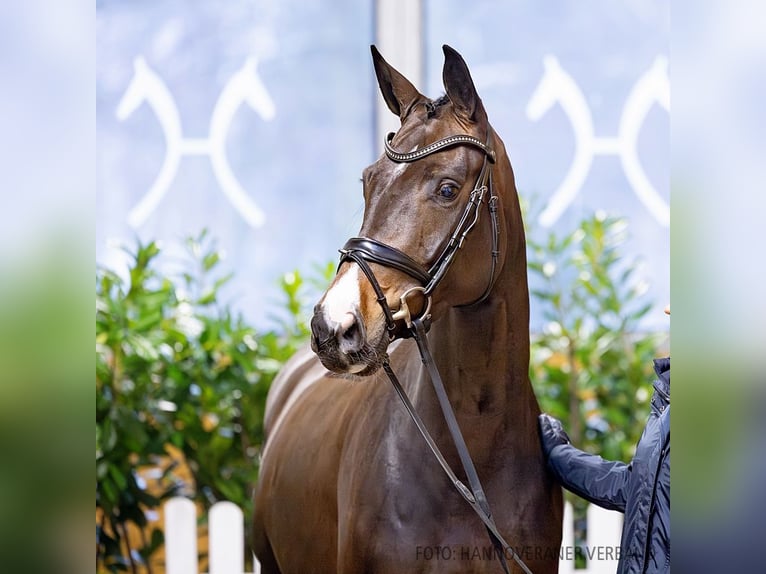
(363, 250)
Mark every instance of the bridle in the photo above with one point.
(365, 250)
(362, 250)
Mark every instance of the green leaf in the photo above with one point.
(210, 260)
(157, 540)
(207, 298)
(118, 477)
(109, 491)
(147, 321)
(108, 436)
(229, 490)
(222, 281)
(142, 347)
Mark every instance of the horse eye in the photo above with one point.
(448, 191)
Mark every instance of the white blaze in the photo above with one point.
(400, 167)
(343, 297)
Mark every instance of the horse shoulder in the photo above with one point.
(290, 382)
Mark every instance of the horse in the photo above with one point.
(346, 484)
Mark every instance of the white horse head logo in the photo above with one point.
(245, 86)
(557, 85)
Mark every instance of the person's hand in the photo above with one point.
(552, 433)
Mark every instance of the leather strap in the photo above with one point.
(358, 258)
(467, 222)
(495, 252)
(438, 145)
(475, 496)
(382, 254)
(481, 507)
(456, 482)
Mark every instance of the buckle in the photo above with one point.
(404, 309)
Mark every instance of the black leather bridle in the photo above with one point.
(365, 250)
(362, 250)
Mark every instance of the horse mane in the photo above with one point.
(432, 106)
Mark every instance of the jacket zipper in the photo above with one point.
(663, 454)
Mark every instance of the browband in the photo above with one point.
(438, 145)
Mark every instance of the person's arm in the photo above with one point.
(597, 480)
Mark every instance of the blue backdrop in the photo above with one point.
(255, 119)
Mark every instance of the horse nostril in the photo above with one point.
(351, 334)
(348, 335)
(348, 320)
(320, 330)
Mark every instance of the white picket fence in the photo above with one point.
(226, 539)
(602, 541)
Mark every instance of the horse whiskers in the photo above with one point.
(378, 377)
(370, 355)
(345, 376)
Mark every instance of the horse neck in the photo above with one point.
(482, 351)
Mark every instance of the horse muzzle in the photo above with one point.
(342, 345)
(346, 335)
(354, 321)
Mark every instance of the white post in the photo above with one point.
(604, 532)
(399, 38)
(227, 539)
(566, 561)
(180, 536)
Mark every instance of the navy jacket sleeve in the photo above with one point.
(597, 480)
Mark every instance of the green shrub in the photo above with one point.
(175, 366)
(591, 366)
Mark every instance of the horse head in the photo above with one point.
(421, 198)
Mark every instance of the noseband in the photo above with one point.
(362, 250)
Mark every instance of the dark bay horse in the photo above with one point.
(346, 482)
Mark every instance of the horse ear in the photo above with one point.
(397, 90)
(459, 85)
